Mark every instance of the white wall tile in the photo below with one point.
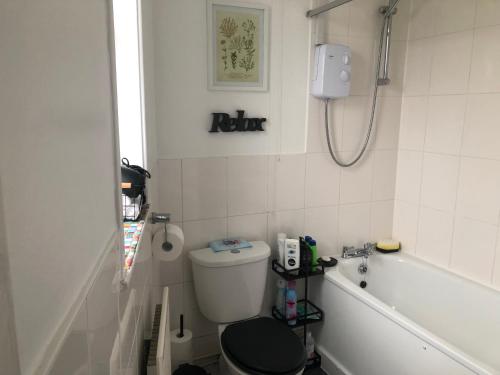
(206, 346)
(400, 24)
(355, 181)
(176, 307)
(169, 273)
(445, 122)
(413, 123)
(322, 224)
(435, 233)
(481, 131)
(454, 15)
(197, 235)
(405, 225)
(450, 74)
(249, 227)
(451, 174)
(204, 188)
(335, 23)
(409, 176)
(384, 175)
(362, 50)
(487, 13)
(381, 222)
(418, 67)
(316, 133)
(195, 320)
(485, 75)
(354, 224)
(286, 181)
(322, 181)
(355, 124)
(170, 188)
(496, 270)
(479, 184)
(289, 222)
(474, 249)
(247, 184)
(439, 181)
(386, 124)
(422, 19)
(365, 18)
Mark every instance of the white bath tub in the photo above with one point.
(412, 318)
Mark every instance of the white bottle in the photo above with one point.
(281, 248)
(280, 298)
(292, 254)
(309, 345)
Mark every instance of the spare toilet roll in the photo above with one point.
(174, 236)
(181, 348)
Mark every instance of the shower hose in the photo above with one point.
(362, 151)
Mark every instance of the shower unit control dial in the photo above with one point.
(332, 71)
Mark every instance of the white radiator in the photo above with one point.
(159, 362)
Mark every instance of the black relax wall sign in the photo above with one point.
(222, 122)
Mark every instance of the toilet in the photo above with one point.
(230, 288)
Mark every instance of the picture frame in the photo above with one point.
(238, 46)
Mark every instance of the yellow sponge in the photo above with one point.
(388, 246)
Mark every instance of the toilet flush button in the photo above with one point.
(346, 60)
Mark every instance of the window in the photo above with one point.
(129, 80)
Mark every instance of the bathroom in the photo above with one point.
(407, 251)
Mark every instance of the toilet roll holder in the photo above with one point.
(162, 218)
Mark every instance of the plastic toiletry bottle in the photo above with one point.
(292, 254)
(280, 298)
(291, 303)
(281, 248)
(314, 254)
(309, 345)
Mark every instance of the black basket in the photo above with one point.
(133, 190)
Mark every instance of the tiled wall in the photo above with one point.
(448, 181)
(256, 197)
(107, 334)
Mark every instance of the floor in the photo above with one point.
(211, 365)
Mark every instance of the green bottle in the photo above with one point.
(314, 254)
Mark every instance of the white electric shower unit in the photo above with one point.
(332, 71)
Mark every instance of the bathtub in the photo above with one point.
(412, 318)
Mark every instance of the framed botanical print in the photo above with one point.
(238, 46)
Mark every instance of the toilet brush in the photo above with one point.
(181, 330)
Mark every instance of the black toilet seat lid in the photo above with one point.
(264, 346)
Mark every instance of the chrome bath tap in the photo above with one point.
(352, 252)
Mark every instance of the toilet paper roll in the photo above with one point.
(181, 348)
(174, 236)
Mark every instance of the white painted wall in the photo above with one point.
(184, 104)
(56, 158)
(8, 342)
